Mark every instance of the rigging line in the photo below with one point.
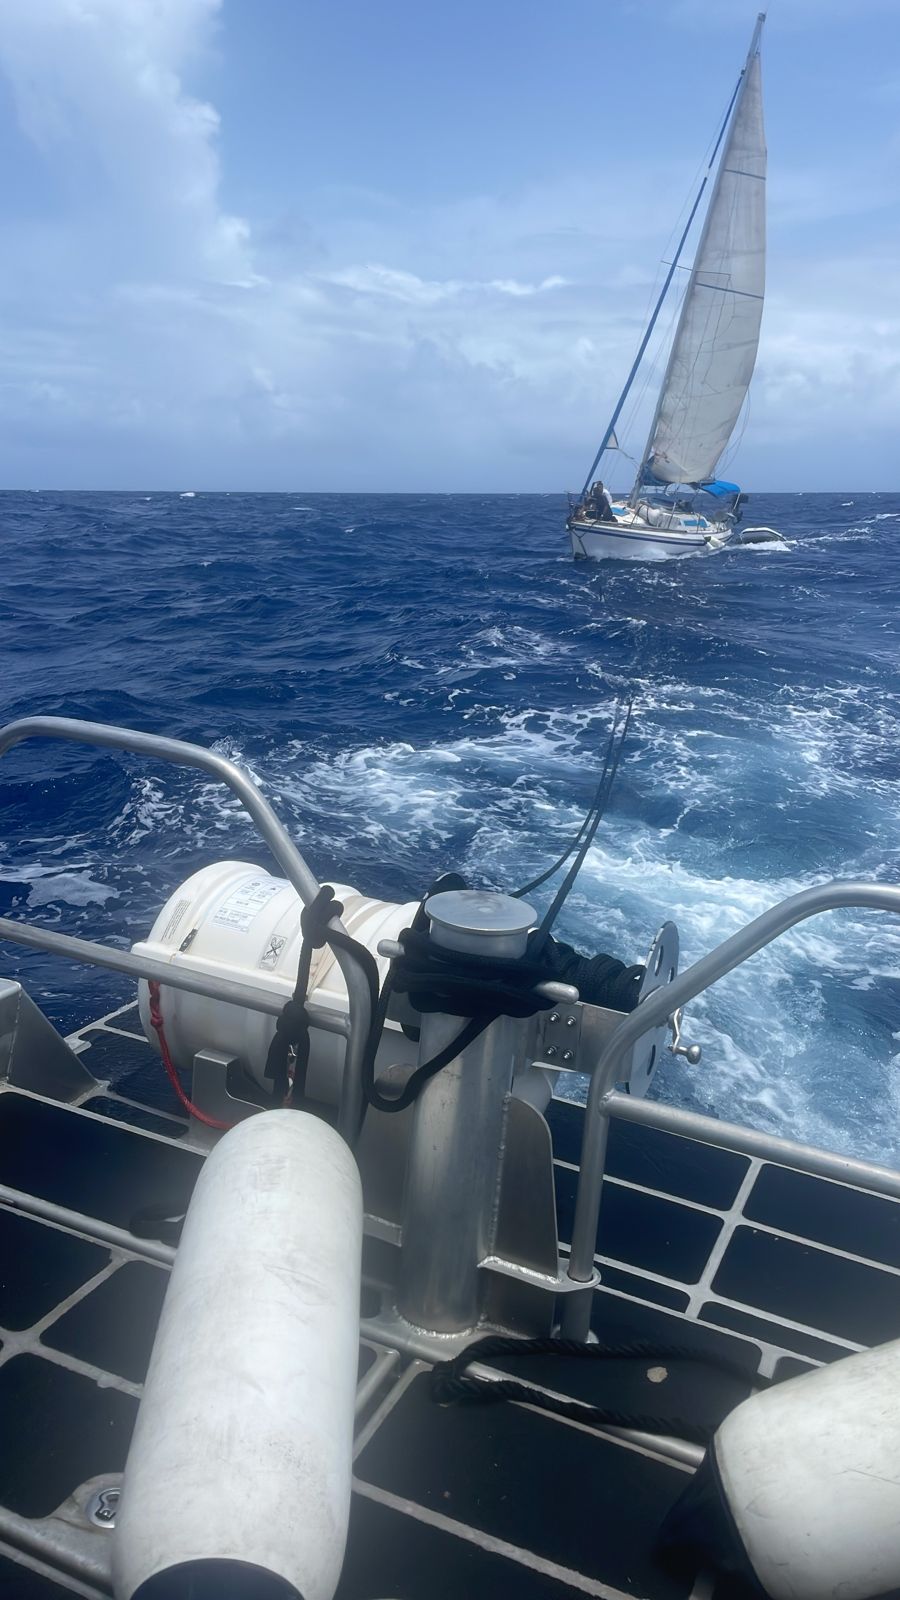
(519, 894)
(705, 161)
(559, 899)
(665, 289)
(652, 373)
(717, 288)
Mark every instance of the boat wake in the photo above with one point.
(463, 726)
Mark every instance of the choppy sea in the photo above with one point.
(421, 683)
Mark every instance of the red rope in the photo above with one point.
(156, 1018)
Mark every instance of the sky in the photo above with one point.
(337, 245)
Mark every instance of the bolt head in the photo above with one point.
(554, 1016)
(102, 1508)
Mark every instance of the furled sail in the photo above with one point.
(715, 345)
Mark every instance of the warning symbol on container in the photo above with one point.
(273, 950)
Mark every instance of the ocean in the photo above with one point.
(424, 683)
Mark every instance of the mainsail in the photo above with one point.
(714, 352)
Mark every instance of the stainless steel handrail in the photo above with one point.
(273, 832)
(754, 1142)
(602, 1101)
(212, 985)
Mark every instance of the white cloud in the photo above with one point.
(368, 343)
(97, 87)
(374, 279)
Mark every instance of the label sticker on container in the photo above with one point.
(274, 947)
(171, 928)
(244, 903)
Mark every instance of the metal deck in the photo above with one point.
(703, 1248)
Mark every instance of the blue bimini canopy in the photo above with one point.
(719, 487)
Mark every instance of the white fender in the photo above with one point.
(810, 1470)
(239, 1468)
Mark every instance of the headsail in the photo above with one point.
(714, 351)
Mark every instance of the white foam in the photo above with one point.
(779, 1052)
(48, 885)
(770, 1041)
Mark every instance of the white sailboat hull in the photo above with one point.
(599, 541)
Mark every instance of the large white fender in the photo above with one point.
(239, 1468)
(805, 1479)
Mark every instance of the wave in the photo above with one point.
(448, 706)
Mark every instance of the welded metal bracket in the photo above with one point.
(32, 1054)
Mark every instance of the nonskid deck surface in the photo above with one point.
(702, 1248)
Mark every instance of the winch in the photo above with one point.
(234, 920)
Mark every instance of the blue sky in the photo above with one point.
(328, 244)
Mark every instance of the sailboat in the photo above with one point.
(677, 505)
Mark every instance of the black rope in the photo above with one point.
(437, 980)
(292, 1026)
(610, 768)
(472, 987)
(293, 1023)
(461, 985)
(429, 1069)
(496, 1389)
(598, 802)
(451, 1384)
(372, 1095)
(601, 980)
(434, 979)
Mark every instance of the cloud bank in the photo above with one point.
(151, 338)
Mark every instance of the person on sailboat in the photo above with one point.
(598, 503)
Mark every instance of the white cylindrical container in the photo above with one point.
(239, 1468)
(810, 1470)
(234, 919)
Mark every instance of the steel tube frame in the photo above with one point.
(92, 1227)
(272, 831)
(602, 1101)
(194, 981)
(751, 1142)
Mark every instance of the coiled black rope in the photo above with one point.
(477, 988)
(452, 1384)
(601, 980)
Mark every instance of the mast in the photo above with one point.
(673, 267)
(734, 112)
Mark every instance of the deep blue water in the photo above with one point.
(422, 683)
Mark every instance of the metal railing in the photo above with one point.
(283, 849)
(604, 1102)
